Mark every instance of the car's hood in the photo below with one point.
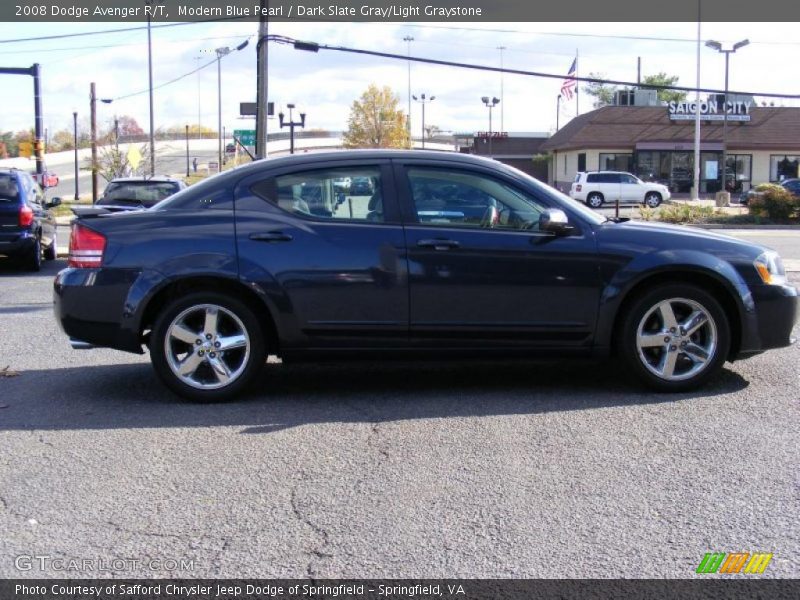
(666, 236)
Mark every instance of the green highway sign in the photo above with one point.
(246, 136)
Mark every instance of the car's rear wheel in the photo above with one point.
(674, 337)
(52, 250)
(652, 199)
(207, 347)
(33, 260)
(594, 200)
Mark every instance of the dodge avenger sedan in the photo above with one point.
(450, 255)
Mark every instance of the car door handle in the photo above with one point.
(438, 244)
(271, 236)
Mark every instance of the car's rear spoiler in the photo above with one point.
(85, 212)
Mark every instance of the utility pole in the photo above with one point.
(262, 82)
(408, 39)
(34, 71)
(93, 121)
(150, 79)
(75, 134)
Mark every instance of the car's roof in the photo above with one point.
(157, 179)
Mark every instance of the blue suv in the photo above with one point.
(27, 227)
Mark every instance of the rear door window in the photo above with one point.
(9, 189)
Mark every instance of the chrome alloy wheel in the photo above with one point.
(676, 339)
(207, 346)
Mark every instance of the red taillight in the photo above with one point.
(25, 216)
(578, 188)
(86, 247)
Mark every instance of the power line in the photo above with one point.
(314, 47)
(106, 46)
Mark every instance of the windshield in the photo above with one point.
(145, 193)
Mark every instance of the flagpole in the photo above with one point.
(577, 86)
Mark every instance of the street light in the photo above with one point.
(558, 109)
(220, 53)
(501, 48)
(150, 3)
(490, 104)
(408, 39)
(75, 132)
(422, 100)
(718, 47)
(291, 124)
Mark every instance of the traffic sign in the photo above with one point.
(247, 137)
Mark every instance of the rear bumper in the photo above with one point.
(92, 307)
(17, 244)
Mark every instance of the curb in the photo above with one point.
(744, 226)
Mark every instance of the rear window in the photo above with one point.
(136, 193)
(9, 191)
(578, 177)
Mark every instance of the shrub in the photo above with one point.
(774, 202)
(685, 213)
(646, 213)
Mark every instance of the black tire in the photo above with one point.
(33, 260)
(247, 364)
(594, 200)
(686, 349)
(652, 199)
(52, 250)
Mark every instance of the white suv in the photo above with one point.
(596, 187)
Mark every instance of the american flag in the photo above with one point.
(568, 87)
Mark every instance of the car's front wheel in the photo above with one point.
(674, 337)
(207, 346)
(594, 200)
(652, 199)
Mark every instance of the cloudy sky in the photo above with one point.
(325, 84)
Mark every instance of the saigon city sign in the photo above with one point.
(710, 110)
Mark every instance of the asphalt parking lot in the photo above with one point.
(385, 470)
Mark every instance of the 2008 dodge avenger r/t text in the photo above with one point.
(441, 254)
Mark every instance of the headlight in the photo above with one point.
(770, 268)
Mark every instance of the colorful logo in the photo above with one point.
(734, 562)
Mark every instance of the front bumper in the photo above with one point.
(92, 306)
(776, 313)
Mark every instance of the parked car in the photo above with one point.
(48, 179)
(136, 193)
(416, 269)
(27, 225)
(596, 187)
(361, 186)
(792, 185)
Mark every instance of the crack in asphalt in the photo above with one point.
(316, 552)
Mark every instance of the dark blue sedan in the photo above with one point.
(450, 255)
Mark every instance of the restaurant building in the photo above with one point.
(656, 143)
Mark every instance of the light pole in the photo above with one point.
(220, 53)
(197, 60)
(187, 150)
(490, 104)
(408, 39)
(718, 47)
(422, 100)
(291, 124)
(501, 48)
(75, 133)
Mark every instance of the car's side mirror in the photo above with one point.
(53, 202)
(555, 221)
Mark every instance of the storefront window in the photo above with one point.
(616, 162)
(782, 166)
